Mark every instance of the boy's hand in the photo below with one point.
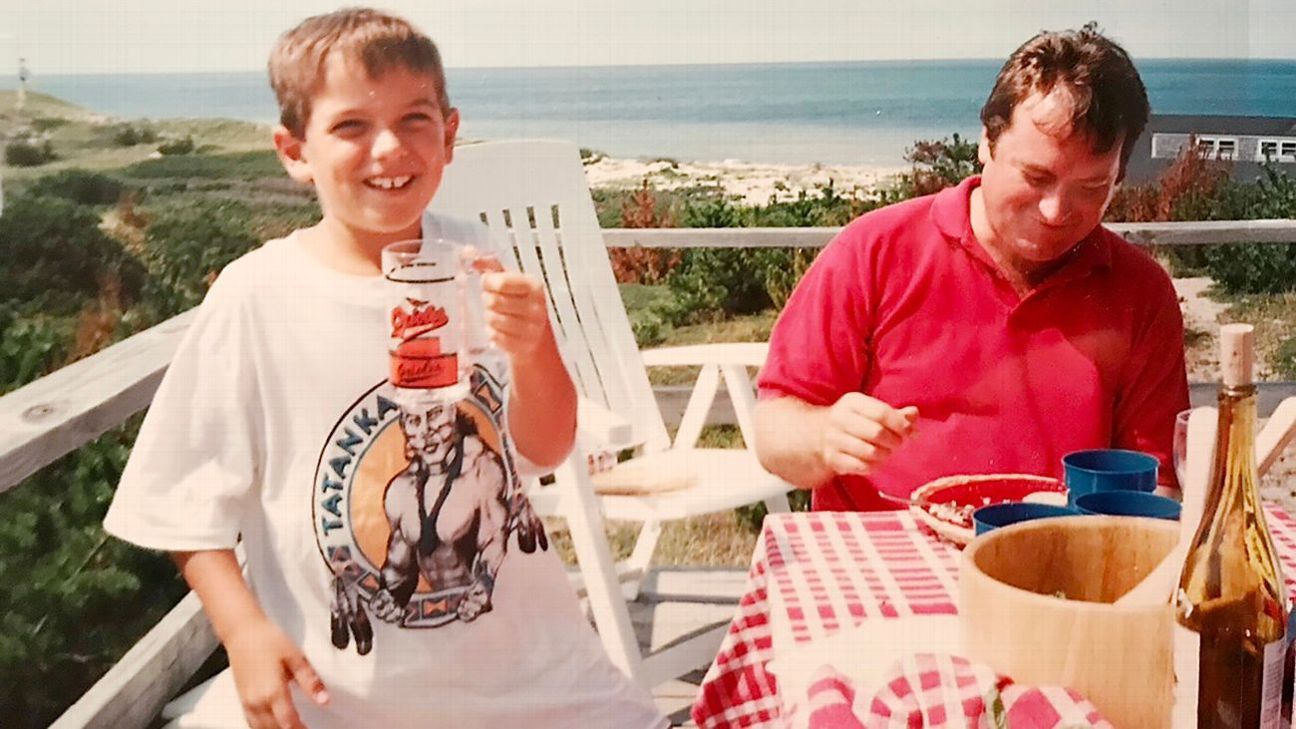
(265, 662)
(514, 307)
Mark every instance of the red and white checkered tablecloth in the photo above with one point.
(826, 571)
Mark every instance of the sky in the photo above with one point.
(152, 36)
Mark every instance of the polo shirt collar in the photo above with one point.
(952, 216)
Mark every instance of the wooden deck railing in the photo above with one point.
(60, 412)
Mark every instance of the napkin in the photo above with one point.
(942, 691)
(873, 647)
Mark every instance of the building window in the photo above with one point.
(1277, 150)
(1212, 147)
(1167, 145)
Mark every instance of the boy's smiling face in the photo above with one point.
(374, 148)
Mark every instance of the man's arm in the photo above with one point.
(807, 445)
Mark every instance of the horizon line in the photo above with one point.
(556, 67)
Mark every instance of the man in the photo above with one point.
(992, 327)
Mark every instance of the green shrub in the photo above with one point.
(46, 123)
(648, 329)
(54, 256)
(187, 245)
(252, 165)
(129, 135)
(936, 165)
(1259, 267)
(711, 284)
(1255, 268)
(79, 186)
(24, 153)
(1285, 359)
(827, 206)
(34, 344)
(184, 145)
(74, 600)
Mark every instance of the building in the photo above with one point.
(1246, 140)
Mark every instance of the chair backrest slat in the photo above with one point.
(584, 348)
(519, 188)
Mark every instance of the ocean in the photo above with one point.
(861, 113)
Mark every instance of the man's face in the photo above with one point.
(429, 430)
(1044, 188)
(374, 149)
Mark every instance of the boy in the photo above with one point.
(384, 586)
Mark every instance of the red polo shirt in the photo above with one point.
(905, 306)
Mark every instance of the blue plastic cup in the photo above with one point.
(1128, 503)
(1108, 469)
(989, 518)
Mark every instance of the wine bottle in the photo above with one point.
(1231, 603)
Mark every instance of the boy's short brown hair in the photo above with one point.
(1110, 102)
(377, 40)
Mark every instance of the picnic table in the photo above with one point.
(816, 574)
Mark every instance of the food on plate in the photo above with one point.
(946, 505)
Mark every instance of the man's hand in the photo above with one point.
(514, 308)
(265, 662)
(859, 432)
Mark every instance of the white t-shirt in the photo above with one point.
(383, 534)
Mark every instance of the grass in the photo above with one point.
(1274, 317)
(81, 138)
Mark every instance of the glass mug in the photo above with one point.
(435, 319)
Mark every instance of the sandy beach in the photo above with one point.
(755, 183)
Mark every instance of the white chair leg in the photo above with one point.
(699, 406)
(611, 616)
(641, 558)
(739, 386)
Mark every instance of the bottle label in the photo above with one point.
(1187, 668)
(1271, 698)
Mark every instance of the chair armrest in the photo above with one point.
(596, 426)
(749, 354)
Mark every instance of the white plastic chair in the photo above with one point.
(534, 197)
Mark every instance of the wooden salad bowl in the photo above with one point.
(1036, 605)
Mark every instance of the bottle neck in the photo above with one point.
(1233, 473)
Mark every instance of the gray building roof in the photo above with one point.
(1247, 130)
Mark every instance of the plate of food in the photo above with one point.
(946, 504)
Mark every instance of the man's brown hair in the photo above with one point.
(1109, 101)
(380, 42)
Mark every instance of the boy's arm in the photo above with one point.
(542, 406)
(262, 658)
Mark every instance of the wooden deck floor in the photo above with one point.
(677, 602)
